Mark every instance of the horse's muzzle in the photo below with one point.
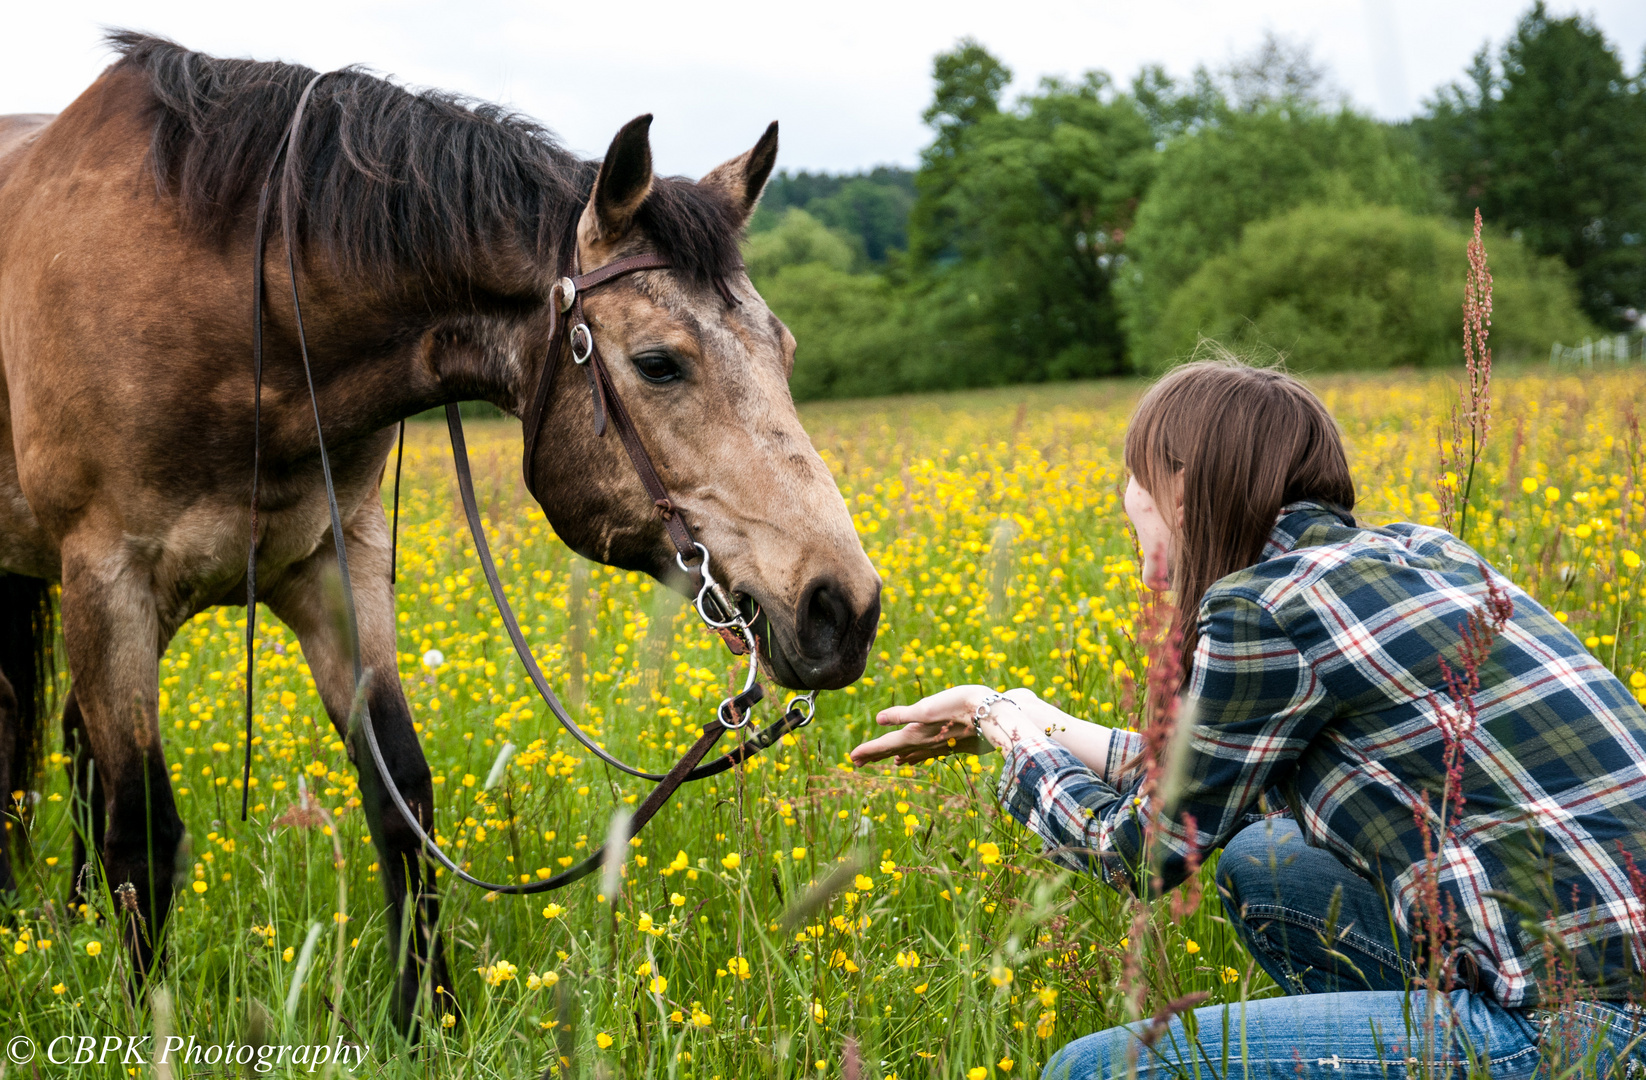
(824, 644)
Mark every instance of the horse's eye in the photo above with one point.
(657, 367)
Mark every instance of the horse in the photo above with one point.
(427, 233)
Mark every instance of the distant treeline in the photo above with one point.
(1090, 230)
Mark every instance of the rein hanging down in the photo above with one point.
(712, 603)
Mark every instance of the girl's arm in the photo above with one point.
(1085, 740)
(943, 723)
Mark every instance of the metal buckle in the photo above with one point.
(568, 293)
(582, 343)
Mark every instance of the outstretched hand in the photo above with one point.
(936, 725)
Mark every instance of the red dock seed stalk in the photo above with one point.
(1456, 715)
(1472, 415)
(1637, 910)
(1163, 680)
(1186, 901)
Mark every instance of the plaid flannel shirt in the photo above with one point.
(1318, 671)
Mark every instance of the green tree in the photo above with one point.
(876, 214)
(856, 335)
(969, 81)
(797, 238)
(1245, 166)
(1365, 288)
(872, 206)
(1551, 142)
(1018, 225)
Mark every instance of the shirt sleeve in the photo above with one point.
(1054, 795)
(1125, 762)
(1254, 703)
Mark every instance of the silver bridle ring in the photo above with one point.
(724, 712)
(809, 700)
(582, 343)
(748, 683)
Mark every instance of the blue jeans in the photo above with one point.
(1349, 1013)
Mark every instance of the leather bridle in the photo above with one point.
(568, 332)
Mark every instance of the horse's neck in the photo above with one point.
(435, 353)
(483, 356)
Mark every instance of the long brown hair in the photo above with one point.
(1249, 439)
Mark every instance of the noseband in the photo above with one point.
(568, 332)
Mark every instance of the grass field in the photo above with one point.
(994, 519)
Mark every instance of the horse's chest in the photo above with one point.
(206, 546)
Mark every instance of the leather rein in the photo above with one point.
(568, 332)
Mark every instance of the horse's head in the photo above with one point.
(706, 382)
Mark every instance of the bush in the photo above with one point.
(1372, 287)
(1249, 167)
(797, 238)
(853, 332)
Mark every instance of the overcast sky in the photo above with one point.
(847, 79)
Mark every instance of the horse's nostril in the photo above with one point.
(824, 620)
(830, 637)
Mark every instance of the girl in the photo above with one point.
(1316, 652)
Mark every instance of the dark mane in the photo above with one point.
(394, 181)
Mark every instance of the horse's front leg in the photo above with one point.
(113, 637)
(307, 599)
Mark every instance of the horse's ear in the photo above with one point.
(744, 177)
(625, 180)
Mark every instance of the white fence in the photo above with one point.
(1612, 351)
